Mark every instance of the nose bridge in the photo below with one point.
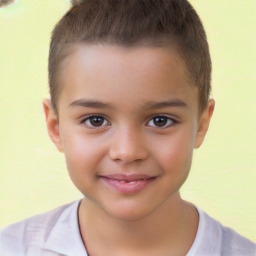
(128, 145)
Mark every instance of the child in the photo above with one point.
(129, 83)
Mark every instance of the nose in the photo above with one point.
(128, 145)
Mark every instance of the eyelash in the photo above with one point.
(89, 117)
(171, 121)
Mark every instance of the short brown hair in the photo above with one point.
(130, 23)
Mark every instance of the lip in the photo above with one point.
(127, 183)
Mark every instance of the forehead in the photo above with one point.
(109, 71)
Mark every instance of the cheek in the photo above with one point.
(82, 153)
(81, 161)
(176, 154)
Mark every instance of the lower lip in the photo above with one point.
(126, 187)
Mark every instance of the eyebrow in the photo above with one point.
(168, 103)
(89, 104)
(149, 105)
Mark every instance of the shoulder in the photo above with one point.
(16, 238)
(224, 240)
(235, 243)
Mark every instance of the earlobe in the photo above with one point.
(52, 124)
(204, 123)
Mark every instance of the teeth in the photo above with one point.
(130, 182)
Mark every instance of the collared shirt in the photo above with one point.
(56, 233)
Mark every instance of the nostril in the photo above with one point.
(127, 146)
(127, 157)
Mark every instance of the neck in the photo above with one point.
(166, 229)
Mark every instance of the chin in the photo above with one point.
(128, 212)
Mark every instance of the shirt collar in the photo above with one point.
(64, 237)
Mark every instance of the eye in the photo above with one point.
(95, 121)
(161, 122)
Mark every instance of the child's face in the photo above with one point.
(128, 123)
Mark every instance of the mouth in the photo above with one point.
(127, 184)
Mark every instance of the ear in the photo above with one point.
(52, 123)
(204, 122)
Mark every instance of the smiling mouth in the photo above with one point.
(130, 182)
(127, 183)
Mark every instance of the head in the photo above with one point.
(130, 82)
(131, 23)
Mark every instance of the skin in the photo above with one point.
(135, 85)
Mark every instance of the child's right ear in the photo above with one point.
(52, 123)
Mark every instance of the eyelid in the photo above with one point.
(86, 117)
(170, 117)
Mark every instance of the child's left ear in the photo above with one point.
(204, 122)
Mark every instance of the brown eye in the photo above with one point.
(95, 122)
(161, 122)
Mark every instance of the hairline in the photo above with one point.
(67, 49)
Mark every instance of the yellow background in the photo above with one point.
(33, 176)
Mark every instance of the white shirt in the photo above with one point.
(57, 233)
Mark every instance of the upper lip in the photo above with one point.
(128, 177)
